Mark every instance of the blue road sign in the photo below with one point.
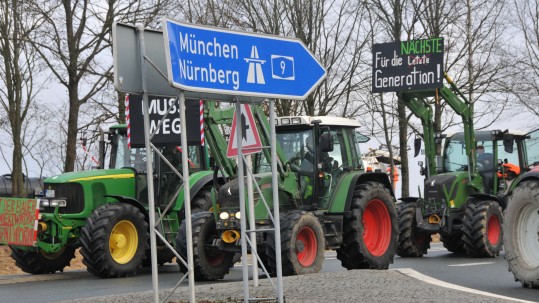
(215, 60)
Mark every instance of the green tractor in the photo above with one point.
(105, 211)
(521, 225)
(326, 201)
(464, 192)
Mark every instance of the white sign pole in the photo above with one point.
(149, 167)
(187, 199)
(276, 217)
(252, 226)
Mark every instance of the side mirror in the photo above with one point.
(417, 146)
(326, 142)
(508, 143)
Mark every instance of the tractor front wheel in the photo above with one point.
(209, 262)
(482, 229)
(412, 242)
(38, 262)
(114, 241)
(453, 242)
(521, 228)
(302, 245)
(370, 236)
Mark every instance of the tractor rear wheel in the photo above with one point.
(482, 229)
(114, 241)
(370, 236)
(38, 262)
(412, 242)
(521, 228)
(302, 245)
(210, 263)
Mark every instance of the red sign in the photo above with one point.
(249, 134)
(18, 221)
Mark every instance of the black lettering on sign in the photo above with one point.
(407, 65)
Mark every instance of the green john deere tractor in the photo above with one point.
(105, 211)
(326, 200)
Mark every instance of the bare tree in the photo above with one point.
(526, 82)
(393, 18)
(17, 70)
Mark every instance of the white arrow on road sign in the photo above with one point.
(249, 134)
(220, 61)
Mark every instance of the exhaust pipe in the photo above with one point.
(230, 236)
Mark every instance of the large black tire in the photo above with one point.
(210, 264)
(201, 202)
(521, 227)
(38, 262)
(114, 241)
(370, 236)
(453, 242)
(412, 242)
(302, 245)
(482, 232)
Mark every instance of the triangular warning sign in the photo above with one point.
(249, 134)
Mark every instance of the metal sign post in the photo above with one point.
(149, 166)
(187, 200)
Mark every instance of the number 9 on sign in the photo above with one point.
(282, 67)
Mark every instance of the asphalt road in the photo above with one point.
(488, 275)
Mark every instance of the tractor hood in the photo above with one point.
(92, 175)
(229, 193)
(447, 188)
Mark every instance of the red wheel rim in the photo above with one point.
(307, 253)
(376, 227)
(493, 230)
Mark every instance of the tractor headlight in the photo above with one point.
(43, 202)
(58, 203)
(223, 215)
(238, 215)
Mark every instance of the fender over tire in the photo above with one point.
(114, 241)
(370, 236)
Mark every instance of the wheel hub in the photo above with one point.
(300, 246)
(118, 240)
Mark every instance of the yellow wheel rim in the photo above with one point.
(123, 242)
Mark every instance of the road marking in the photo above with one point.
(471, 264)
(419, 276)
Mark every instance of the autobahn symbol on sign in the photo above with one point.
(225, 62)
(249, 134)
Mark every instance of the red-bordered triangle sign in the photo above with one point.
(249, 134)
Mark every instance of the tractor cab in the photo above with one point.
(499, 157)
(319, 150)
(166, 180)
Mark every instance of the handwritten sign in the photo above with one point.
(18, 221)
(407, 65)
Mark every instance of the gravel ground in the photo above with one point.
(348, 286)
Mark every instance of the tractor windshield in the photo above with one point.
(126, 157)
(296, 144)
(455, 158)
(532, 150)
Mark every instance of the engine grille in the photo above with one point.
(73, 194)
